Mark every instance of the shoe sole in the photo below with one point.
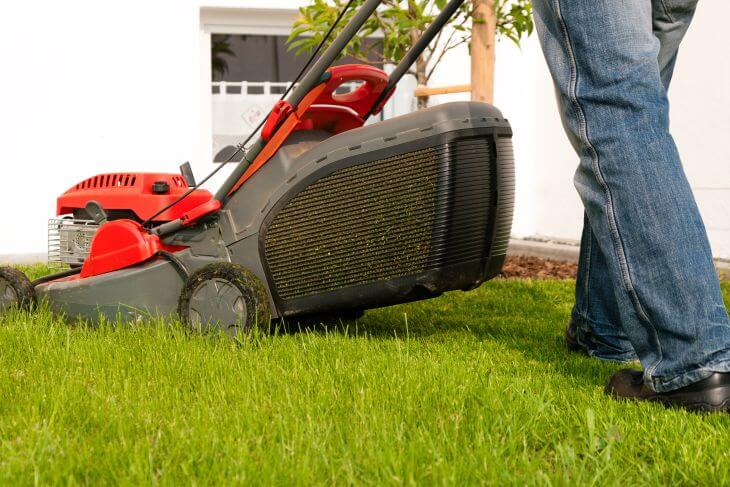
(714, 400)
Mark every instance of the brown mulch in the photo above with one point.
(518, 267)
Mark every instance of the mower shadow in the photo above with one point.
(533, 326)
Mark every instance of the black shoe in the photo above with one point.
(711, 394)
(571, 338)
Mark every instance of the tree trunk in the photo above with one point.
(422, 101)
(484, 33)
(421, 64)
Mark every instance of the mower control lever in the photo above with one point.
(187, 173)
(359, 100)
(187, 219)
(96, 212)
(168, 228)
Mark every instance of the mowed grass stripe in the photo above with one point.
(468, 388)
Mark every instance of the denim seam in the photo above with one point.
(588, 263)
(667, 11)
(613, 225)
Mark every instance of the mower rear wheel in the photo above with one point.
(16, 290)
(225, 297)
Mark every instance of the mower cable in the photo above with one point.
(72, 272)
(242, 146)
(176, 262)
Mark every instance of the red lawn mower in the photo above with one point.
(321, 214)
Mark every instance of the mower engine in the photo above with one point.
(69, 241)
(133, 196)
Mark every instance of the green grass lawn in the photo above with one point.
(468, 388)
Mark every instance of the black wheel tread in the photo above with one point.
(257, 300)
(21, 284)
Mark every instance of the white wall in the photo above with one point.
(701, 101)
(95, 86)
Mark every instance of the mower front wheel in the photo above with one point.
(225, 297)
(16, 290)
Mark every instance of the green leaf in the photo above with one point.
(401, 20)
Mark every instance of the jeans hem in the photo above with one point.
(689, 377)
(624, 356)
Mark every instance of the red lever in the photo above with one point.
(361, 99)
(358, 101)
(281, 110)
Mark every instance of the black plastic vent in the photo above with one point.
(385, 219)
(465, 198)
(506, 185)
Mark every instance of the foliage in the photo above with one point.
(401, 23)
(514, 19)
(468, 389)
(220, 47)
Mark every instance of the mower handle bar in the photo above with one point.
(317, 74)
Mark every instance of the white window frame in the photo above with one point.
(223, 20)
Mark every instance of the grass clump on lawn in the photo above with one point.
(467, 388)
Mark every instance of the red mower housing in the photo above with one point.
(133, 195)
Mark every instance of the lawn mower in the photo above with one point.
(321, 214)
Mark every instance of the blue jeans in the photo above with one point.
(647, 286)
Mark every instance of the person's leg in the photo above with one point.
(671, 19)
(595, 326)
(595, 323)
(603, 57)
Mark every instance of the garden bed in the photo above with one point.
(520, 267)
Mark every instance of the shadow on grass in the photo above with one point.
(525, 316)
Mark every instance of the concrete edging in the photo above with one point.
(564, 252)
(23, 259)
